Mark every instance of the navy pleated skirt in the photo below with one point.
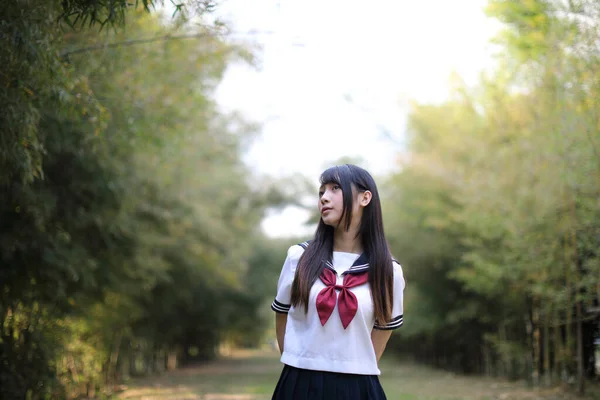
(302, 384)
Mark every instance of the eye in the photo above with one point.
(321, 193)
(335, 187)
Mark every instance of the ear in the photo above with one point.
(365, 198)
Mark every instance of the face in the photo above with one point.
(331, 204)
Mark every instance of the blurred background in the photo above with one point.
(157, 159)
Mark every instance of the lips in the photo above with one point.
(325, 209)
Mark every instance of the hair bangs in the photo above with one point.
(330, 175)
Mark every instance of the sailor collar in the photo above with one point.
(360, 265)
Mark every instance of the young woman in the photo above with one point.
(339, 296)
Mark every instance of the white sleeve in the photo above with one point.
(282, 301)
(398, 303)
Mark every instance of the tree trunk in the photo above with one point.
(530, 356)
(578, 311)
(111, 373)
(535, 343)
(171, 360)
(580, 361)
(568, 354)
(559, 365)
(546, 350)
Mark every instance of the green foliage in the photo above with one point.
(29, 74)
(127, 216)
(494, 215)
(528, 26)
(85, 13)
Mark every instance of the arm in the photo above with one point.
(380, 338)
(282, 302)
(280, 323)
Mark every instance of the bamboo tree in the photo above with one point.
(516, 162)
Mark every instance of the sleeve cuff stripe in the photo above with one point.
(280, 304)
(394, 323)
(388, 327)
(280, 307)
(397, 323)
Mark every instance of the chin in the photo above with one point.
(330, 222)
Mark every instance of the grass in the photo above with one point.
(252, 375)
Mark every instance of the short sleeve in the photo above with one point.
(398, 303)
(282, 301)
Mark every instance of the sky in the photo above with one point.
(335, 78)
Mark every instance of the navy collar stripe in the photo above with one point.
(304, 245)
(360, 265)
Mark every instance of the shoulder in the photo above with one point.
(398, 273)
(293, 257)
(294, 252)
(396, 265)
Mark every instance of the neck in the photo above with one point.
(347, 241)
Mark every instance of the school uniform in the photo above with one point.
(328, 353)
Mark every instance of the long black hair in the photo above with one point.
(370, 233)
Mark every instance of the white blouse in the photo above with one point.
(310, 345)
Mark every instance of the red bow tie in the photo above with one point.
(347, 303)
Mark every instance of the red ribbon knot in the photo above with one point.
(346, 301)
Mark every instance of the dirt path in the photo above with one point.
(253, 375)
